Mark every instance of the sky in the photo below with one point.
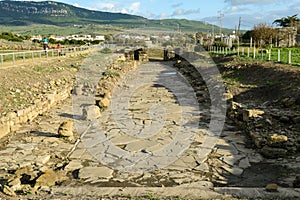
(250, 12)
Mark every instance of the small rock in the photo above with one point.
(8, 191)
(91, 112)
(147, 122)
(269, 122)
(50, 178)
(272, 187)
(296, 182)
(104, 102)
(244, 163)
(95, 173)
(257, 138)
(235, 105)
(277, 139)
(284, 119)
(228, 96)
(43, 159)
(66, 129)
(296, 119)
(15, 184)
(288, 102)
(234, 171)
(271, 152)
(251, 113)
(73, 165)
(45, 189)
(204, 167)
(78, 90)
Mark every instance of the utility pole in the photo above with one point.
(239, 27)
(238, 31)
(213, 30)
(221, 16)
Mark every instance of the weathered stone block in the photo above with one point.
(272, 187)
(91, 112)
(4, 129)
(51, 99)
(66, 129)
(247, 114)
(276, 139)
(103, 103)
(257, 139)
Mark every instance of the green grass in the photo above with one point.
(43, 69)
(47, 30)
(111, 74)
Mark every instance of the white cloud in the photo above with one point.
(243, 2)
(186, 12)
(135, 7)
(106, 6)
(163, 15)
(234, 8)
(178, 12)
(177, 5)
(123, 10)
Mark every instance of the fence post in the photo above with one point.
(278, 59)
(243, 51)
(254, 53)
(290, 56)
(269, 59)
(262, 54)
(13, 57)
(248, 52)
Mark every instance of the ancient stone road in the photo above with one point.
(150, 136)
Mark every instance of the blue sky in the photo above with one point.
(251, 11)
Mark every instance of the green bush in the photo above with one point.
(11, 37)
(106, 50)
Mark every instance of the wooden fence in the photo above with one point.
(282, 55)
(18, 56)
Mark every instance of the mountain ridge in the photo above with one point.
(24, 13)
(54, 13)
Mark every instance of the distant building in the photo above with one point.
(71, 37)
(37, 37)
(100, 37)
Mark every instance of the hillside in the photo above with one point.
(50, 13)
(55, 13)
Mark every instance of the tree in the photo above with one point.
(289, 21)
(263, 34)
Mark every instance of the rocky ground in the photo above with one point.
(270, 93)
(258, 147)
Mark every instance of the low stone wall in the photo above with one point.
(274, 132)
(12, 121)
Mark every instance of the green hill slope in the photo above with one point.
(50, 13)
